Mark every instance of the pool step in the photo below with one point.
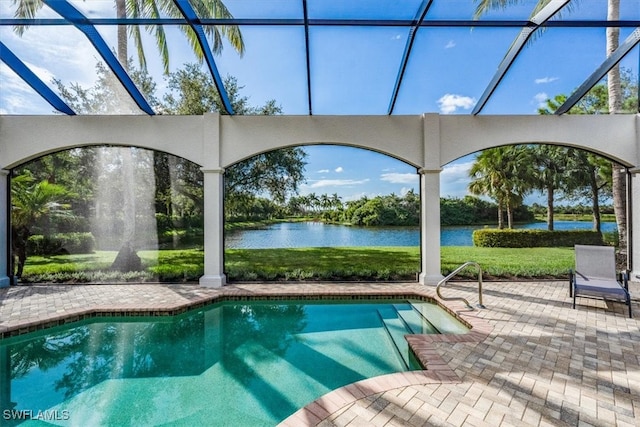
(400, 320)
(414, 319)
(406, 319)
(396, 331)
(442, 322)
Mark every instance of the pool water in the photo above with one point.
(232, 363)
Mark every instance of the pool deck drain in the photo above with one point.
(529, 360)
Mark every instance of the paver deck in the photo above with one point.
(530, 360)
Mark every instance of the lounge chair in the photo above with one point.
(595, 276)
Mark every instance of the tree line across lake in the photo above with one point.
(384, 210)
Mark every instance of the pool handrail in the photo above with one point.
(452, 274)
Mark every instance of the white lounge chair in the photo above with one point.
(595, 276)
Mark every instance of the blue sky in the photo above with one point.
(353, 173)
(353, 71)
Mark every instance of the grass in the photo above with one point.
(577, 217)
(512, 263)
(358, 263)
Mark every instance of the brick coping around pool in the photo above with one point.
(436, 369)
(422, 346)
(530, 359)
(16, 322)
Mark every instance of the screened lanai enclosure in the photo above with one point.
(216, 83)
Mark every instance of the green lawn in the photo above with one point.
(360, 263)
(577, 217)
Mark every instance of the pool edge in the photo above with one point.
(227, 293)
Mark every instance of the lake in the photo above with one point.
(318, 234)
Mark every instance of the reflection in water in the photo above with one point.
(274, 358)
(317, 234)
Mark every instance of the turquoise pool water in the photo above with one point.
(229, 364)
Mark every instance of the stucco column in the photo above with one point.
(213, 190)
(430, 201)
(4, 229)
(634, 224)
(430, 273)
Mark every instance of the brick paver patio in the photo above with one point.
(530, 358)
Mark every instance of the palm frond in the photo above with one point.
(160, 36)
(26, 9)
(484, 6)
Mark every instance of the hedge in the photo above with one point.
(495, 238)
(62, 243)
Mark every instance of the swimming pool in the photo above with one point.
(249, 363)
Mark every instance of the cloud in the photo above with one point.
(456, 172)
(400, 178)
(17, 96)
(454, 179)
(323, 171)
(449, 103)
(339, 169)
(337, 183)
(450, 44)
(545, 80)
(541, 99)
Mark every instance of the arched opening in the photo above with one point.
(340, 213)
(540, 189)
(107, 214)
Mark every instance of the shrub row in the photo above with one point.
(63, 243)
(495, 238)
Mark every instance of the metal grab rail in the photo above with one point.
(452, 274)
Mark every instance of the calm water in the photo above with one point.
(240, 364)
(317, 234)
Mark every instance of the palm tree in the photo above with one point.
(155, 9)
(487, 178)
(589, 175)
(614, 87)
(325, 202)
(550, 170)
(31, 202)
(500, 173)
(313, 202)
(336, 202)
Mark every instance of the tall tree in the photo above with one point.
(150, 9)
(614, 86)
(277, 173)
(549, 170)
(498, 173)
(589, 177)
(596, 101)
(153, 8)
(615, 97)
(486, 180)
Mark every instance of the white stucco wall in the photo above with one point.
(397, 136)
(23, 138)
(219, 141)
(612, 136)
